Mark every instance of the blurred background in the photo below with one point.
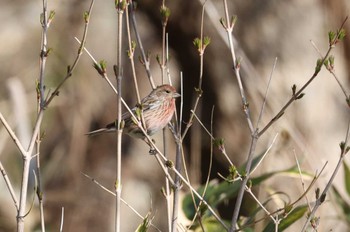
(311, 129)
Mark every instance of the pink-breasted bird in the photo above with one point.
(157, 110)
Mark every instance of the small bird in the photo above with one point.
(157, 110)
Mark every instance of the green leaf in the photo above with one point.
(342, 204)
(347, 177)
(294, 216)
(217, 193)
(209, 224)
(143, 227)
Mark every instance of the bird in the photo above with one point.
(157, 109)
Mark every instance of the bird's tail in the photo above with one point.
(100, 131)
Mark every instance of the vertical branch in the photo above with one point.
(171, 219)
(43, 53)
(144, 57)
(228, 24)
(131, 52)
(40, 98)
(165, 14)
(120, 6)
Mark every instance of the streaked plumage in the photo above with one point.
(157, 110)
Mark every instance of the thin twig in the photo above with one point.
(331, 70)
(200, 198)
(322, 196)
(62, 219)
(12, 134)
(9, 185)
(144, 57)
(157, 151)
(76, 61)
(131, 53)
(300, 91)
(264, 155)
(199, 91)
(223, 151)
(266, 92)
(302, 180)
(236, 67)
(122, 200)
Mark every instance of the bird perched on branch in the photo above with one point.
(157, 109)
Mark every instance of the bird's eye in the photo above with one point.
(167, 91)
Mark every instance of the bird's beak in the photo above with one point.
(175, 95)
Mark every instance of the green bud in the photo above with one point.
(162, 190)
(198, 91)
(249, 183)
(101, 67)
(331, 37)
(158, 59)
(197, 43)
(294, 89)
(138, 112)
(51, 15)
(232, 173)
(323, 197)
(206, 41)
(300, 96)
(317, 193)
(133, 45)
(120, 5)
(165, 14)
(169, 164)
(86, 16)
(331, 62)
(121, 125)
(233, 20)
(341, 34)
(318, 65)
(238, 62)
(219, 142)
(42, 19)
(48, 52)
(223, 23)
(288, 208)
